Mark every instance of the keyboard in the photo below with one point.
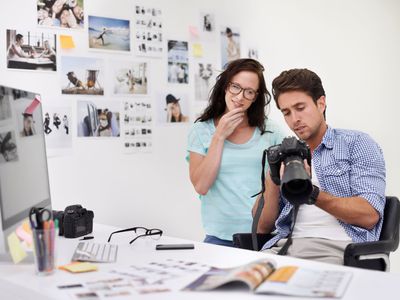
(95, 252)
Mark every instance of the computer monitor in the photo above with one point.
(24, 180)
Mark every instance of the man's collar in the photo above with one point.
(329, 138)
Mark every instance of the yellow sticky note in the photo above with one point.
(79, 267)
(67, 42)
(197, 50)
(16, 250)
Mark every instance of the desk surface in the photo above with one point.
(364, 284)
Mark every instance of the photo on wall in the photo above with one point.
(137, 126)
(252, 53)
(56, 126)
(207, 21)
(178, 62)
(8, 147)
(31, 50)
(172, 107)
(95, 120)
(109, 34)
(5, 105)
(28, 116)
(130, 78)
(204, 80)
(60, 13)
(230, 45)
(148, 31)
(82, 76)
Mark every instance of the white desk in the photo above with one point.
(364, 284)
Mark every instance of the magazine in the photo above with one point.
(263, 277)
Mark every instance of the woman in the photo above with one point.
(174, 111)
(226, 145)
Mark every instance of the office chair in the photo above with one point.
(367, 255)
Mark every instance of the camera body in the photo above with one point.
(296, 185)
(74, 221)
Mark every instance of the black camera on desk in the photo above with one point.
(296, 185)
(74, 221)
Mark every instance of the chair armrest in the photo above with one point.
(244, 241)
(356, 249)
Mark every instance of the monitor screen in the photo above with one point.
(24, 178)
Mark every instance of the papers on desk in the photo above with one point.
(125, 282)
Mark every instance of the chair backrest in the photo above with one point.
(391, 220)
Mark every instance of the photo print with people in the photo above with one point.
(60, 13)
(204, 79)
(230, 45)
(130, 78)
(95, 120)
(137, 126)
(172, 107)
(109, 34)
(56, 126)
(178, 62)
(31, 50)
(148, 31)
(207, 21)
(8, 146)
(252, 53)
(5, 104)
(82, 75)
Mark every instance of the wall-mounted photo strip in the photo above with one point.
(109, 34)
(130, 78)
(95, 120)
(8, 146)
(204, 79)
(31, 50)
(60, 13)
(148, 31)
(230, 45)
(137, 130)
(178, 62)
(172, 107)
(82, 75)
(57, 128)
(207, 21)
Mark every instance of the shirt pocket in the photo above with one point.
(337, 179)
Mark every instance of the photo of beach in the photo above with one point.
(109, 34)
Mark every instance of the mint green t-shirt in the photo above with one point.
(226, 208)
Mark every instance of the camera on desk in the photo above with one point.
(74, 221)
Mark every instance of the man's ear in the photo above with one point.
(321, 104)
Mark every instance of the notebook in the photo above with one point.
(95, 252)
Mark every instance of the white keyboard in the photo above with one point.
(95, 252)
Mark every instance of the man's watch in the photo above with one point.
(314, 195)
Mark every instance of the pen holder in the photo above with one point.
(44, 250)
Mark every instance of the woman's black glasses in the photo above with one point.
(140, 231)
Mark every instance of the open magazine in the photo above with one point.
(264, 278)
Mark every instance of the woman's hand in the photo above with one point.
(228, 123)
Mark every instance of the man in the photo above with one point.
(15, 49)
(348, 174)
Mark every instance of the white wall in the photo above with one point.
(353, 45)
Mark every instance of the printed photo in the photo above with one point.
(178, 62)
(56, 126)
(81, 75)
(28, 50)
(109, 34)
(130, 78)
(97, 121)
(230, 45)
(28, 116)
(5, 105)
(252, 53)
(60, 13)
(173, 108)
(207, 22)
(148, 31)
(8, 147)
(204, 80)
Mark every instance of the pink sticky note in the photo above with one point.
(30, 109)
(23, 235)
(194, 32)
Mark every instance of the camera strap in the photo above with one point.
(288, 242)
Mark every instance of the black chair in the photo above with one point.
(368, 255)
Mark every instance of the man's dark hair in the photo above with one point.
(216, 103)
(18, 37)
(302, 80)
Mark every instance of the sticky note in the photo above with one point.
(16, 250)
(194, 32)
(23, 235)
(67, 42)
(197, 50)
(79, 267)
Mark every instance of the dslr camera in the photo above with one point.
(296, 185)
(74, 221)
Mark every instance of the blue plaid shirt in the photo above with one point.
(347, 163)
